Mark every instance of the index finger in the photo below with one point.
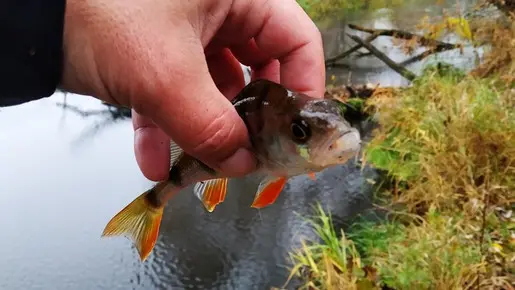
(282, 30)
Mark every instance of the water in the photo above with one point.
(359, 70)
(61, 181)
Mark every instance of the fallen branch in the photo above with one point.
(343, 55)
(393, 65)
(424, 41)
(424, 54)
(434, 46)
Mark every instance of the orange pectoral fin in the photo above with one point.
(211, 192)
(268, 192)
(312, 175)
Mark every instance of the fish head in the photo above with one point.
(301, 134)
(317, 137)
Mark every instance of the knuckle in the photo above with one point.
(216, 137)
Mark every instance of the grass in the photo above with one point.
(431, 253)
(446, 146)
(333, 263)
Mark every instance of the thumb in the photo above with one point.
(197, 116)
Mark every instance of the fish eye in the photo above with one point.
(300, 130)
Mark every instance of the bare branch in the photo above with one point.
(343, 55)
(435, 46)
(393, 65)
(424, 41)
(424, 54)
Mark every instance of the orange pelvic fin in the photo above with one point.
(139, 221)
(211, 192)
(312, 175)
(268, 191)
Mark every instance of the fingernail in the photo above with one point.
(240, 163)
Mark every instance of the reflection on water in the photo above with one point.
(63, 176)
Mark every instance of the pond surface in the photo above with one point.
(61, 180)
(363, 69)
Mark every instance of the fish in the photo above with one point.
(290, 134)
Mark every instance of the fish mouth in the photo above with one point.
(349, 140)
(346, 144)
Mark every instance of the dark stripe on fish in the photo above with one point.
(186, 169)
(206, 168)
(152, 198)
(252, 105)
(174, 176)
(249, 105)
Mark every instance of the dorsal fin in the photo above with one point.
(175, 153)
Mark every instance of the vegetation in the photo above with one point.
(317, 9)
(446, 146)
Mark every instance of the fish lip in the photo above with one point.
(351, 130)
(332, 150)
(348, 131)
(339, 134)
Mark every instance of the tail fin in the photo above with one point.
(140, 221)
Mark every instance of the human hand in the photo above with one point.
(176, 63)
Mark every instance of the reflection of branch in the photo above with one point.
(399, 69)
(114, 111)
(113, 114)
(93, 130)
(81, 112)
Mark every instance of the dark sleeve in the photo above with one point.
(31, 37)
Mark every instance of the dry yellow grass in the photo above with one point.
(447, 148)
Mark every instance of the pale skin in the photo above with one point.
(175, 63)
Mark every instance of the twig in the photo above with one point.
(399, 69)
